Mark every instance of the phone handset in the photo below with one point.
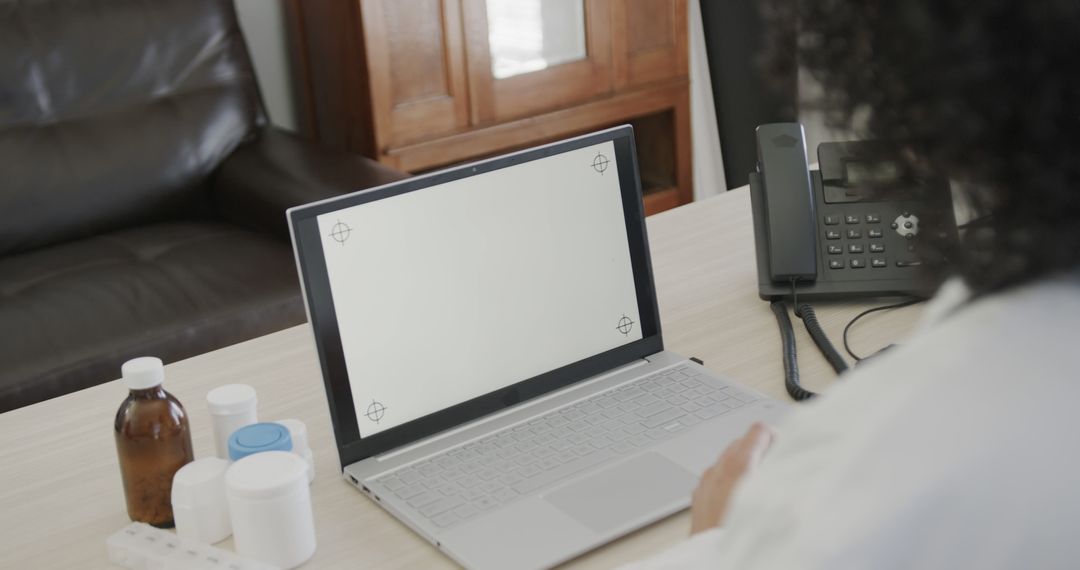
(789, 210)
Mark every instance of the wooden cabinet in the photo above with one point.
(422, 84)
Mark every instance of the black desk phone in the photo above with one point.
(832, 233)
(825, 230)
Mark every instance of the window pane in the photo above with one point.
(530, 35)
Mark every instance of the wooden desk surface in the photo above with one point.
(60, 491)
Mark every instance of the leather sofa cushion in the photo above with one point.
(114, 112)
(70, 315)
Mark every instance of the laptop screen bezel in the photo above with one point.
(308, 246)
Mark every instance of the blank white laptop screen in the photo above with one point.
(453, 291)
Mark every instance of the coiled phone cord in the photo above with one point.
(790, 358)
(809, 318)
(787, 339)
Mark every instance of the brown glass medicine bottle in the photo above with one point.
(153, 441)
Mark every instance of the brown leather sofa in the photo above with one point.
(142, 191)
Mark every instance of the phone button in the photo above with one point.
(835, 249)
(854, 234)
(855, 248)
(836, 264)
(877, 248)
(878, 262)
(832, 234)
(873, 219)
(857, 263)
(849, 219)
(875, 233)
(832, 220)
(906, 225)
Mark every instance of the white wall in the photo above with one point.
(263, 22)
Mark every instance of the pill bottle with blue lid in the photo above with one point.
(257, 438)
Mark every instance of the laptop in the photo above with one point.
(491, 348)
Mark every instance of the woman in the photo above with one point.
(958, 449)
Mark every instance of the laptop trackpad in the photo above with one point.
(625, 491)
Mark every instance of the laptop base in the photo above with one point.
(618, 491)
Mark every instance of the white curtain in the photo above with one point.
(708, 166)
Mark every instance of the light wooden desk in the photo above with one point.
(60, 491)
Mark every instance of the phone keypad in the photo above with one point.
(857, 242)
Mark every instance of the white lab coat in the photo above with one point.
(957, 450)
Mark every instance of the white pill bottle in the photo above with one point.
(232, 407)
(270, 508)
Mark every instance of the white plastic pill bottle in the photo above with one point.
(270, 507)
(198, 500)
(232, 407)
(298, 432)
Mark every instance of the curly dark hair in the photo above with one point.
(986, 91)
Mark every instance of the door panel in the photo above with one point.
(416, 63)
(649, 35)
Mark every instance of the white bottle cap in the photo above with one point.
(200, 509)
(231, 399)
(143, 372)
(265, 475)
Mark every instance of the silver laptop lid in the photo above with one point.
(442, 298)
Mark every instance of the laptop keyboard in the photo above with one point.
(500, 468)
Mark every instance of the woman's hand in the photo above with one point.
(713, 493)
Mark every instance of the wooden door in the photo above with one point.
(649, 41)
(497, 96)
(415, 60)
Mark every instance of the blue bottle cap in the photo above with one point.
(255, 438)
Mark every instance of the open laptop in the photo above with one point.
(491, 348)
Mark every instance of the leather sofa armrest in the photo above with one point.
(262, 178)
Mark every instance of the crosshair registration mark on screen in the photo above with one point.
(600, 163)
(626, 324)
(340, 232)
(375, 411)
